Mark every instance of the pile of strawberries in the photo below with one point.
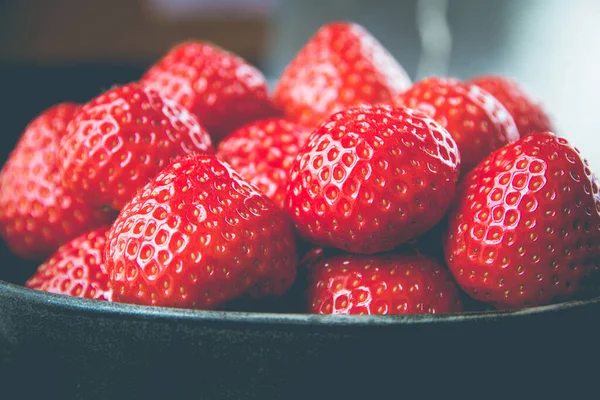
(195, 187)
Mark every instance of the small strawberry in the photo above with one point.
(77, 269)
(37, 214)
(198, 236)
(341, 66)
(381, 284)
(529, 116)
(121, 139)
(262, 152)
(371, 178)
(220, 88)
(476, 120)
(525, 229)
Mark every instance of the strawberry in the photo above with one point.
(371, 178)
(198, 236)
(381, 284)
(476, 120)
(263, 152)
(525, 229)
(37, 214)
(529, 116)
(341, 66)
(220, 88)
(77, 269)
(121, 139)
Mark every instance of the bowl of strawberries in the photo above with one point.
(348, 234)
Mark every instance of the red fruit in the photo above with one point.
(262, 152)
(529, 116)
(197, 235)
(476, 120)
(381, 284)
(121, 139)
(371, 178)
(341, 66)
(525, 229)
(220, 88)
(77, 269)
(37, 214)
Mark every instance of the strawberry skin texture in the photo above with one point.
(529, 116)
(220, 88)
(121, 139)
(198, 236)
(262, 152)
(371, 178)
(269, 180)
(477, 121)
(38, 214)
(76, 269)
(381, 284)
(525, 229)
(341, 66)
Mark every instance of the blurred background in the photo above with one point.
(59, 50)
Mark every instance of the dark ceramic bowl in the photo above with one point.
(59, 347)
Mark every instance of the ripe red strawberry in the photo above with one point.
(220, 88)
(381, 284)
(77, 269)
(371, 178)
(198, 236)
(342, 65)
(121, 139)
(525, 229)
(476, 120)
(262, 152)
(529, 116)
(37, 214)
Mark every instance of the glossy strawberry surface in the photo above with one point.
(528, 114)
(198, 236)
(381, 284)
(342, 65)
(477, 121)
(121, 139)
(223, 90)
(371, 178)
(525, 229)
(263, 152)
(38, 214)
(76, 269)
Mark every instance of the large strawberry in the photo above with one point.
(529, 115)
(525, 229)
(77, 269)
(37, 214)
(371, 178)
(121, 139)
(219, 87)
(342, 65)
(198, 236)
(263, 152)
(381, 284)
(476, 120)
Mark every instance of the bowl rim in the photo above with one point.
(105, 309)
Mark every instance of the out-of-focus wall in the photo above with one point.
(126, 31)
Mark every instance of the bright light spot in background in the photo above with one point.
(555, 54)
